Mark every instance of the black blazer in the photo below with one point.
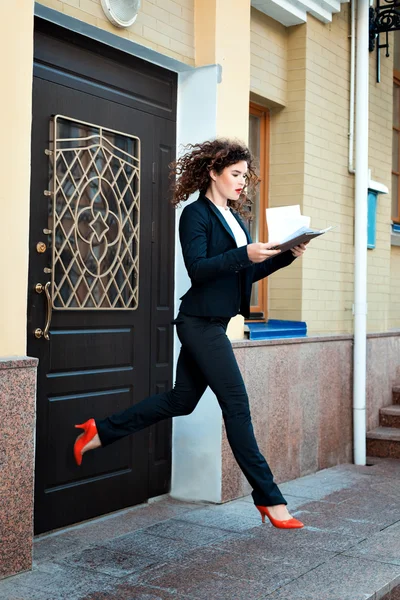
(221, 273)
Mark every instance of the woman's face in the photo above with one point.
(231, 181)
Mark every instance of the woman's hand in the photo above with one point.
(258, 252)
(299, 250)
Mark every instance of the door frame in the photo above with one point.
(168, 117)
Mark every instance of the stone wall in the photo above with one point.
(300, 393)
(17, 447)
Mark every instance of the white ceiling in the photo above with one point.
(294, 12)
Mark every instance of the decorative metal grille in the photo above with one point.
(385, 16)
(94, 217)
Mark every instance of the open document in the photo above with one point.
(290, 227)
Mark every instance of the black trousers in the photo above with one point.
(206, 359)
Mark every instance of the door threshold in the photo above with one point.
(99, 519)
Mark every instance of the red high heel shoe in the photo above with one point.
(286, 524)
(90, 431)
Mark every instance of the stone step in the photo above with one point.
(389, 416)
(396, 394)
(384, 442)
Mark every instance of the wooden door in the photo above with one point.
(101, 270)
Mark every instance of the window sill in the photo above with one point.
(275, 329)
(395, 236)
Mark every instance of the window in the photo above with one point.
(259, 146)
(94, 219)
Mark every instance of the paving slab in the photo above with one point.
(157, 548)
(54, 582)
(290, 546)
(126, 591)
(11, 590)
(189, 532)
(220, 562)
(59, 545)
(194, 580)
(104, 560)
(233, 516)
(342, 578)
(128, 520)
(384, 546)
(323, 484)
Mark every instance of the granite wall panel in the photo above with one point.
(17, 448)
(300, 394)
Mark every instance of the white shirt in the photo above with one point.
(240, 236)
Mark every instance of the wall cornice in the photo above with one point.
(294, 12)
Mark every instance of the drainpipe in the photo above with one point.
(360, 236)
(352, 86)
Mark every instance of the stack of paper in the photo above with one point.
(287, 225)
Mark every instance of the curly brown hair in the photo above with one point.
(191, 172)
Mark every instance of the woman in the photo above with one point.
(222, 263)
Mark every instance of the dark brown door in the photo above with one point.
(102, 238)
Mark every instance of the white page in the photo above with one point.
(293, 225)
(283, 221)
(276, 220)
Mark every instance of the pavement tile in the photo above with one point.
(342, 495)
(384, 546)
(58, 582)
(321, 491)
(315, 506)
(138, 517)
(365, 498)
(9, 590)
(56, 546)
(245, 567)
(345, 475)
(193, 580)
(157, 548)
(105, 560)
(337, 523)
(388, 467)
(301, 546)
(127, 591)
(372, 501)
(294, 502)
(236, 517)
(389, 487)
(189, 532)
(341, 578)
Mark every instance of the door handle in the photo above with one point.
(38, 332)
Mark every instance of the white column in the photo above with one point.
(196, 439)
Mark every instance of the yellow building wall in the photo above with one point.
(166, 26)
(278, 82)
(380, 163)
(328, 267)
(216, 22)
(16, 49)
(329, 189)
(287, 157)
(233, 54)
(303, 74)
(269, 58)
